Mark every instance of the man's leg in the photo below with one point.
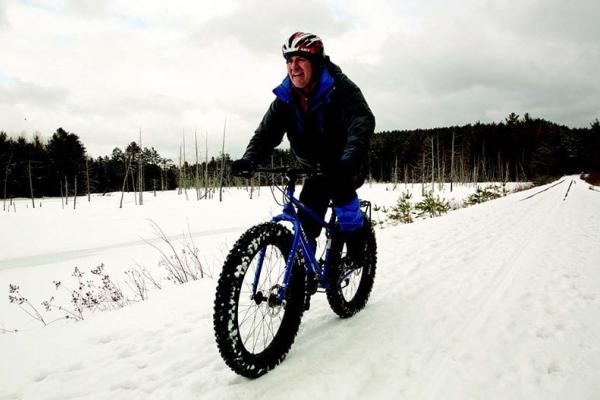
(351, 221)
(315, 195)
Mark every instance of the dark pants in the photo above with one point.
(316, 194)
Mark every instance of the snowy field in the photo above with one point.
(498, 300)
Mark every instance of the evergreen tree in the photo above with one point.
(67, 158)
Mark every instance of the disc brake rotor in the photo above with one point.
(274, 305)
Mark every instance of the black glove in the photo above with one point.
(243, 168)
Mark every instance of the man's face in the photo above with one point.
(300, 71)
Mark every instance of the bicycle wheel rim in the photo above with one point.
(259, 321)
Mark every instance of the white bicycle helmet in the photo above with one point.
(305, 44)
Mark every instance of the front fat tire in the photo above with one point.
(338, 302)
(238, 264)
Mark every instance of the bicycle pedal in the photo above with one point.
(312, 286)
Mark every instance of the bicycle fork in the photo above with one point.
(311, 265)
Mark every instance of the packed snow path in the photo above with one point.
(499, 300)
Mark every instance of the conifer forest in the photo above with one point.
(516, 149)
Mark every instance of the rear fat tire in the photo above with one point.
(338, 302)
(238, 264)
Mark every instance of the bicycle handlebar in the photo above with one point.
(289, 171)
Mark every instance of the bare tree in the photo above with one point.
(452, 163)
(184, 170)
(423, 175)
(6, 171)
(87, 175)
(30, 183)
(132, 176)
(141, 171)
(432, 165)
(62, 196)
(206, 166)
(222, 162)
(125, 179)
(395, 170)
(483, 166)
(163, 171)
(66, 191)
(75, 194)
(180, 177)
(197, 175)
(463, 177)
(439, 168)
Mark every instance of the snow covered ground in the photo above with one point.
(498, 300)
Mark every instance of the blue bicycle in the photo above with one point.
(270, 275)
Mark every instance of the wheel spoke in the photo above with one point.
(254, 331)
(248, 308)
(259, 323)
(250, 334)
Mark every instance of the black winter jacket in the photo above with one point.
(337, 125)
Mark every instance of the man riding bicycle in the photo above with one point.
(329, 126)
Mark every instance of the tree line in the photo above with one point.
(516, 149)
(61, 167)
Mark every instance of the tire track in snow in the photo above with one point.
(447, 242)
(67, 255)
(439, 284)
(503, 281)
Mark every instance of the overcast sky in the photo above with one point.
(106, 69)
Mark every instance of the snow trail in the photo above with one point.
(499, 300)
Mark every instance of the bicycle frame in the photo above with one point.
(299, 241)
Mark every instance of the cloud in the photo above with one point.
(262, 26)
(28, 94)
(88, 8)
(480, 66)
(549, 20)
(105, 69)
(3, 19)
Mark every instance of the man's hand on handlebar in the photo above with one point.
(243, 168)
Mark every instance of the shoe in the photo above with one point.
(356, 243)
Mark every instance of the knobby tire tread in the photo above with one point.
(227, 331)
(335, 297)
